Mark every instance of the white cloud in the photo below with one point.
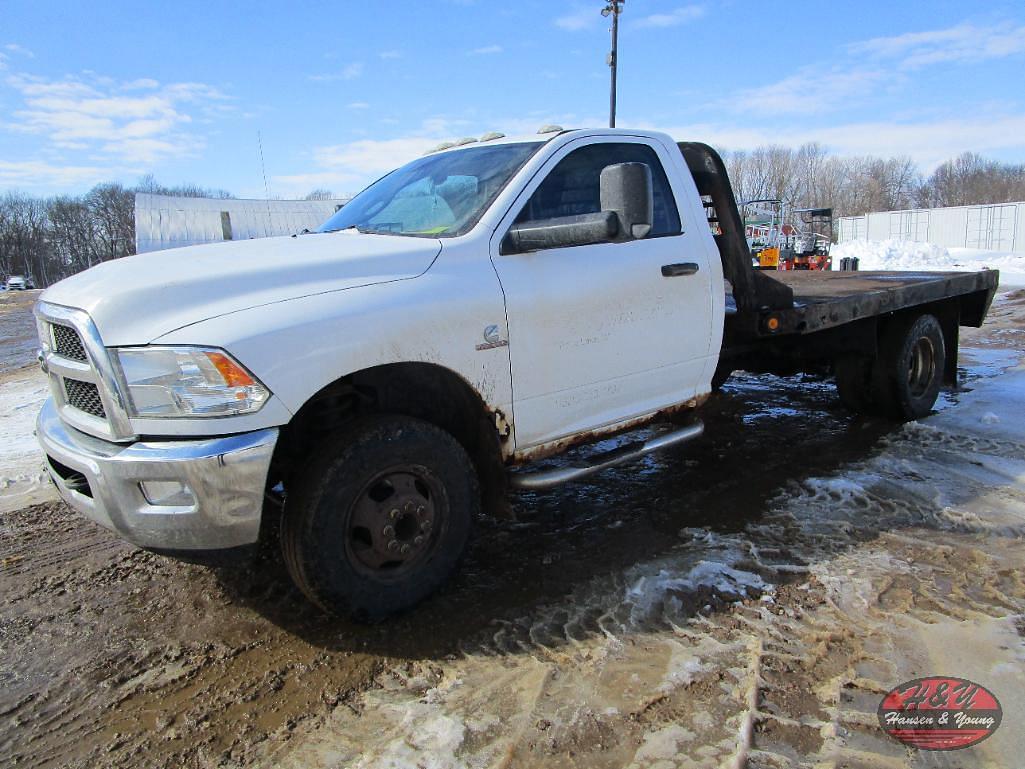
(20, 50)
(358, 105)
(928, 142)
(487, 49)
(390, 54)
(809, 91)
(348, 72)
(148, 123)
(353, 165)
(677, 16)
(39, 174)
(582, 18)
(960, 43)
(143, 83)
(373, 156)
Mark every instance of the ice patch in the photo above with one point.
(430, 741)
(661, 749)
(22, 470)
(683, 667)
(649, 593)
(844, 487)
(989, 418)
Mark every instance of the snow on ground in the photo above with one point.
(22, 475)
(908, 255)
(900, 566)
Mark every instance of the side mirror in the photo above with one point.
(626, 191)
(565, 231)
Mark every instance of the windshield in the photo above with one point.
(438, 196)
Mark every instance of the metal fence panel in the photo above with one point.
(163, 221)
(998, 227)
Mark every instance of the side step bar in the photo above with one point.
(545, 479)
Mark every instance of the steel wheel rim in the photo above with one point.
(395, 522)
(921, 367)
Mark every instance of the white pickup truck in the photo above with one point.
(365, 391)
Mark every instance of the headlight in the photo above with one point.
(188, 382)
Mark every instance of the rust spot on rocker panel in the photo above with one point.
(555, 447)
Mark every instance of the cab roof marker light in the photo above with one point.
(550, 128)
(491, 136)
(465, 140)
(440, 147)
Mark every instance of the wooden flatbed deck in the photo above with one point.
(824, 300)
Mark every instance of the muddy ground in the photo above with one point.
(744, 600)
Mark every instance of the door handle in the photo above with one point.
(682, 268)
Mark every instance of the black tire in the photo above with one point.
(720, 376)
(854, 382)
(380, 517)
(908, 373)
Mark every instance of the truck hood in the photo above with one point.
(139, 298)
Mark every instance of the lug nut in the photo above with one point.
(418, 540)
(420, 510)
(394, 513)
(388, 531)
(426, 524)
(410, 507)
(393, 545)
(405, 549)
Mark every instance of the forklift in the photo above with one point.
(808, 249)
(764, 230)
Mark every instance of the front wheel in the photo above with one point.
(380, 517)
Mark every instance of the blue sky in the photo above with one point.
(341, 92)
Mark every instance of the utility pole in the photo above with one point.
(614, 8)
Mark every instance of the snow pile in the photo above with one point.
(893, 255)
(909, 255)
(22, 470)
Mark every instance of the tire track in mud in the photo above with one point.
(112, 656)
(766, 648)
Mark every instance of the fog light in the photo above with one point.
(167, 493)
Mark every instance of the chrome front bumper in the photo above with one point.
(223, 482)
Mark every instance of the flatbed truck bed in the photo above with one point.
(824, 300)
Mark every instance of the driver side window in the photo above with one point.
(572, 187)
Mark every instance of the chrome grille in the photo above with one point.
(83, 378)
(67, 342)
(84, 396)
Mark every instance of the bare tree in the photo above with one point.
(112, 208)
(319, 194)
(72, 234)
(970, 179)
(149, 184)
(23, 234)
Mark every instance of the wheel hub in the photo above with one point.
(921, 367)
(392, 521)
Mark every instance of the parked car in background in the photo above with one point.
(18, 283)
